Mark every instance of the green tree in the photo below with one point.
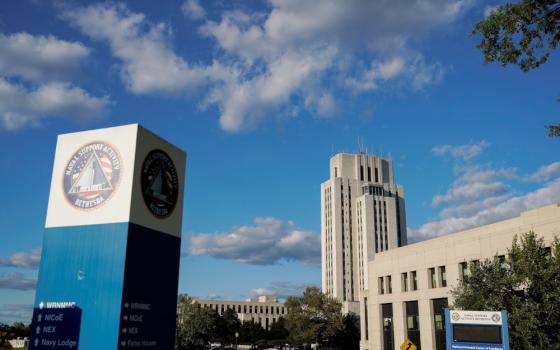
(251, 333)
(522, 34)
(278, 330)
(196, 325)
(348, 337)
(227, 325)
(527, 285)
(313, 317)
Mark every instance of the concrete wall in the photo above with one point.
(450, 251)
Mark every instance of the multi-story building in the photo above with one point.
(264, 310)
(362, 214)
(409, 287)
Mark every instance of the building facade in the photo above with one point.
(362, 214)
(264, 310)
(410, 286)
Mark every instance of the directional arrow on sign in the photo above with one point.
(408, 345)
(38, 329)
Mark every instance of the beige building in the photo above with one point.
(410, 286)
(362, 214)
(264, 310)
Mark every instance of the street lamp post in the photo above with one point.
(236, 336)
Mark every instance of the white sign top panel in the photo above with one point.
(120, 174)
(92, 177)
(476, 317)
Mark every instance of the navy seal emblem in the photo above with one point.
(160, 183)
(92, 175)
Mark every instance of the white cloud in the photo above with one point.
(214, 296)
(244, 102)
(326, 107)
(488, 10)
(545, 173)
(279, 289)
(17, 281)
(20, 107)
(149, 64)
(464, 152)
(40, 58)
(29, 259)
(483, 194)
(486, 214)
(193, 10)
(267, 63)
(269, 241)
(16, 313)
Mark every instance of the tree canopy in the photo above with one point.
(522, 34)
(317, 318)
(526, 284)
(313, 318)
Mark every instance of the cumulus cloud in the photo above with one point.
(279, 289)
(464, 152)
(484, 194)
(323, 33)
(16, 313)
(484, 213)
(193, 10)
(17, 281)
(40, 58)
(545, 173)
(149, 64)
(214, 296)
(268, 241)
(29, 259)
(20, 107)
(34, 81)
(269, 62)
(488, 10)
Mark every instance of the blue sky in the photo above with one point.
(261, 94)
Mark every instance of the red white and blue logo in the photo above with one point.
(92, 175)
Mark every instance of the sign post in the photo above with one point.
(480, 330)
(109, 267)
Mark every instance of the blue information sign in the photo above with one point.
(476, 330)
(55, 325)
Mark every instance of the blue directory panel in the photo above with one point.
(109, 268)
(476, 330)
(56, 325)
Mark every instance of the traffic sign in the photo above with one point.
(408, 345)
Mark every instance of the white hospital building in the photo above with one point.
(263, 310)
(401, 289)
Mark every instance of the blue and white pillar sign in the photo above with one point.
(110, 262)
(476, 330)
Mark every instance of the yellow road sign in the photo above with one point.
(408, 345)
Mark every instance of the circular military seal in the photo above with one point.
(496, 318)
(160, 183)
(92, 175)
(455, 316)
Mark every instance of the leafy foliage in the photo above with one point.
(16, 330)
(313, 317)
(196, 325)
(527, 285)
(553, 130)
(522, 34)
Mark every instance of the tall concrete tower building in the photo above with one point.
(362, 213)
